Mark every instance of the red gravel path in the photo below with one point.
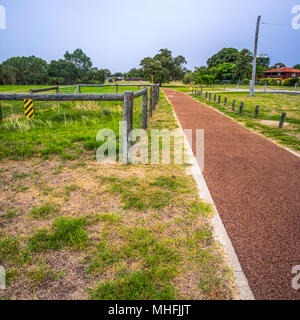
(256, 187)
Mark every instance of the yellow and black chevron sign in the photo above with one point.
(28, 108)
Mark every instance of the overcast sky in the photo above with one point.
(117, 34)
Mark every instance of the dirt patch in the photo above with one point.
(272, 123)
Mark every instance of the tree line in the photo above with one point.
(76, 67)
(230, 66)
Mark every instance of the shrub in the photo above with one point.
(188, 78)
(291, 81)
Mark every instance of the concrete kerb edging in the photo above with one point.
(257, 133)
(219, 232)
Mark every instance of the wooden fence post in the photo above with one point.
(219, 100)
(256, 111)
(57, 92)
(155, 97)
(215, 97)
(79, 89)
(233, 105)
(0, 112)
(209, 96)
(145, 110)
(117, 88)
(127, 123)
(151, 102)
(206, 95)
(225, 101)
(282, 120)
(241, 107)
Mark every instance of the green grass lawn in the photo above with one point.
(74, 229)
(271, 108)
(66, 130)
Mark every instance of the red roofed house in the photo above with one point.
(282, 73)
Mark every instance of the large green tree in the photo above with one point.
(226, 55)
(24, 70)
(242, 69)
(63, 69)
(163, 67)
(82, 62)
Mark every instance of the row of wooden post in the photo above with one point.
(241, 108)
(128, 114)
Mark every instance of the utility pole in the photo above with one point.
(254, 58)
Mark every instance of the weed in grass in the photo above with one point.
(58, 275)
(77, 165)
(18, 188)
(199, 207)
(11, 214)
(19, 175)
(9, 249)
(110, 217)
(138, 195)
(11, 275)
(71, 188)
(203, 234)
(104, 256)
(39, 273)
(171, 183)
(134, 286)
(65, 232)
(44, 210)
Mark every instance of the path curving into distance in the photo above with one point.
(255, 185)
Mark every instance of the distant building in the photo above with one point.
(282, 73)
(134, 79)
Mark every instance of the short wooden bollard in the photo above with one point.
(206, 95)
(241, 107)
(215, 97)
(79, 89)
(145, 110)
(117, 88)
(225, 101)
(219, 100)
(233, 105)
(256, 112)
(282, 120)
(209, 96)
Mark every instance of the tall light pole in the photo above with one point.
(252, 87)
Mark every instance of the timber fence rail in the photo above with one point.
(127, 98)
(117, 86)
(46, 89)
